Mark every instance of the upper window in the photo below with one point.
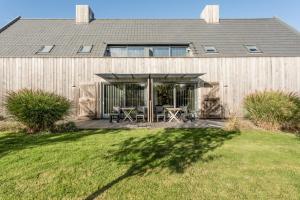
(161, 52)
(210, 49)
(136, 51)
(253, 49)
(146, 51)
(178, 51)
(46, 49)
(85, 49)
(117, 52)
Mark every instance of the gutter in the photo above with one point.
(9, 24)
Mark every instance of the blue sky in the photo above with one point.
(288, 10)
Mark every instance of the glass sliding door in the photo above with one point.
(113, 95)
(164, 94)
(135, 95)
(174, 95)
(122, 95)
(185, 96)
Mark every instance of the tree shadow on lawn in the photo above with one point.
(174, 149)
(18, 141)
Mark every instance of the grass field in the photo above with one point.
(150, 164)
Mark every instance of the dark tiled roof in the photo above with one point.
(26, 36)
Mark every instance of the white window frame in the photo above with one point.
(40, 51)
(82, 47)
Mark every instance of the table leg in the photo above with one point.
(174, 116)
(127, 115)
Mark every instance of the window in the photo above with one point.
(45, 49)
(85, 49)
(146, 51)
(161, 51)
(118, 51)
(253, 49)
(136, 51)
(178, 51)
(210, 49)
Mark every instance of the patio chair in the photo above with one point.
(184, 114)
(115, 114)
(187, 114)
(160, 113)
(140, 113)
(192, 115)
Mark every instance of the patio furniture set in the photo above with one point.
(166, 113)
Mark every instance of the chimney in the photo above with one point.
(211, 14)
(84, 14)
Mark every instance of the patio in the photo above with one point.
(99, 124)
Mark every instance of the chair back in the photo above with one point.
(141, 109)
(184, 109)
(116, 109)
(159, 109)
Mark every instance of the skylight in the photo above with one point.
(85, 49)
(210, 49)
(253, 49)
(46, 49)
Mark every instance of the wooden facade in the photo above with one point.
(236, 77)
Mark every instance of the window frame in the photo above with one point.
(142, 47)
(184, 47)
(40, 51)
(207, 47)
(147, 49)
(82, 47)
(249, 47)
(161, 47)
(123, 47)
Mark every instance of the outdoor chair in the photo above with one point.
(140, 113)
(160, 113)
(115, 114)
(192, 115)
(184, 114)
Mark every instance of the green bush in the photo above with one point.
(37, 110)
(273, 109)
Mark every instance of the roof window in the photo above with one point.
(85, 49)
(45, 49)
(253, 49)
(210, 49)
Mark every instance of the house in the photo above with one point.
(208, 64)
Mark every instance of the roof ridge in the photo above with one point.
(137, 19)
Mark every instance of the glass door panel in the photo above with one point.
(185, 96)
(164, 94)
(123, 95)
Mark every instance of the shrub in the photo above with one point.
(37, 110)
(273, 109)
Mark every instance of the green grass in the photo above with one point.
(150, 164)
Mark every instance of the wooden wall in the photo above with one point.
(237, 76)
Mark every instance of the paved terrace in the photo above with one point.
(98, 124)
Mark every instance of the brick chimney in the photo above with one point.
(211, 14)
(84, 14)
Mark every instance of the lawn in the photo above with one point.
(150, 164)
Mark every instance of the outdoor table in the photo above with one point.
(127, 112)
(174, 113)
